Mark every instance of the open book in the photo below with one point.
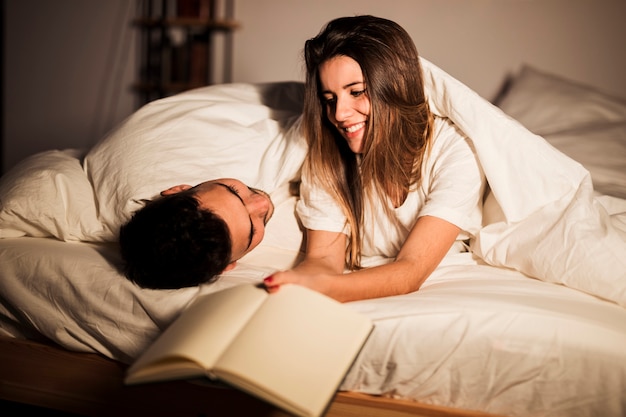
(291, 348)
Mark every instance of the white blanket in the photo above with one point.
(541, 216)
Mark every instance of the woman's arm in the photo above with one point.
(324, 259)
(427, 244)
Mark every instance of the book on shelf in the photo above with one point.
(291, 348)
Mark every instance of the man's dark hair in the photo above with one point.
(173, 243)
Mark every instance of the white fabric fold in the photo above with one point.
(541, 217)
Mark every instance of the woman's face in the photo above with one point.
(346, 100)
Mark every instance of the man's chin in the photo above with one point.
(270, 212)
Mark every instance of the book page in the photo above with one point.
(296, 350)
(199, 336)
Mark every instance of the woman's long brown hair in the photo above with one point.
(399, 126)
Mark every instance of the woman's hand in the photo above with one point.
(316, 282)
(323, 263)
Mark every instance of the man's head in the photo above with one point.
(191, 234)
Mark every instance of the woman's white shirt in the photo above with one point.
(452, 189)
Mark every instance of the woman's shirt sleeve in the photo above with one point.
(316, 209)
(453, 182)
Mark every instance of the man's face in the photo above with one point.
(245, 210)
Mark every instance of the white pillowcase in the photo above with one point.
(244, 131)
(580, 121)
(48, 194)
(545, 103)
(602, 150)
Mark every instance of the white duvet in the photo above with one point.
(481, 334)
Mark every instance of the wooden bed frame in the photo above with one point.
(88, 384)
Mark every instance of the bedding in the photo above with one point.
(586, 124)
(500, 332)
(528, 219)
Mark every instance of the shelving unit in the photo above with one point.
(185, 44)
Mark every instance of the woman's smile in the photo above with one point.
(346, 100)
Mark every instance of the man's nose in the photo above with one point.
(257, 204)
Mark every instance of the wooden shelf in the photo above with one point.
(226, 25)
(179, 49)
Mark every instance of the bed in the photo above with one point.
(486, 335)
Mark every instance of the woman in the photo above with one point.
(384, 176)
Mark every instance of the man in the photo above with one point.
(191, 234)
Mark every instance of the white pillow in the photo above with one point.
(602, 150)
(580, 121)
(545, 103)
(48, 194)
(244, 131)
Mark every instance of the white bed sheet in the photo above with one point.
(487, 339)
(474, 337)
